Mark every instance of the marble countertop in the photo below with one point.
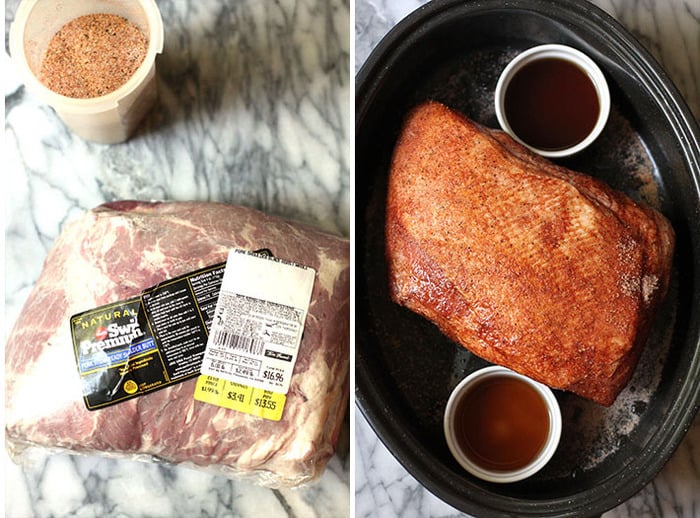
(254, 109)
(670, 30)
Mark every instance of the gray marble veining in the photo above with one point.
(254, 110)
(670, 30)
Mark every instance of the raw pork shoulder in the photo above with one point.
(115, 251)
(526, 264)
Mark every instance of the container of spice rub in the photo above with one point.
(92, 62)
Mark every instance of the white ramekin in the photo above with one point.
(542, 457)
(571, 55)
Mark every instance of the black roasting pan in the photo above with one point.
(453, 52)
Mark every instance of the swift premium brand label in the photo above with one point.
(146, 343)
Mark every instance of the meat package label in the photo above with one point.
(146, 343)
(255, 334)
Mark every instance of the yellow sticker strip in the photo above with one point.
(251, 400)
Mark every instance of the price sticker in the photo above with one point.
(256, 331)
(243, 398)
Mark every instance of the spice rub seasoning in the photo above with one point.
(93, 55)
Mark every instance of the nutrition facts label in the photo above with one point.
(179, 312)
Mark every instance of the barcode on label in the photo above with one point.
(238, 342)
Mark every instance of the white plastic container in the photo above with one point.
(107, 119)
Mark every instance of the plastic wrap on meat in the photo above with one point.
(112, 253)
